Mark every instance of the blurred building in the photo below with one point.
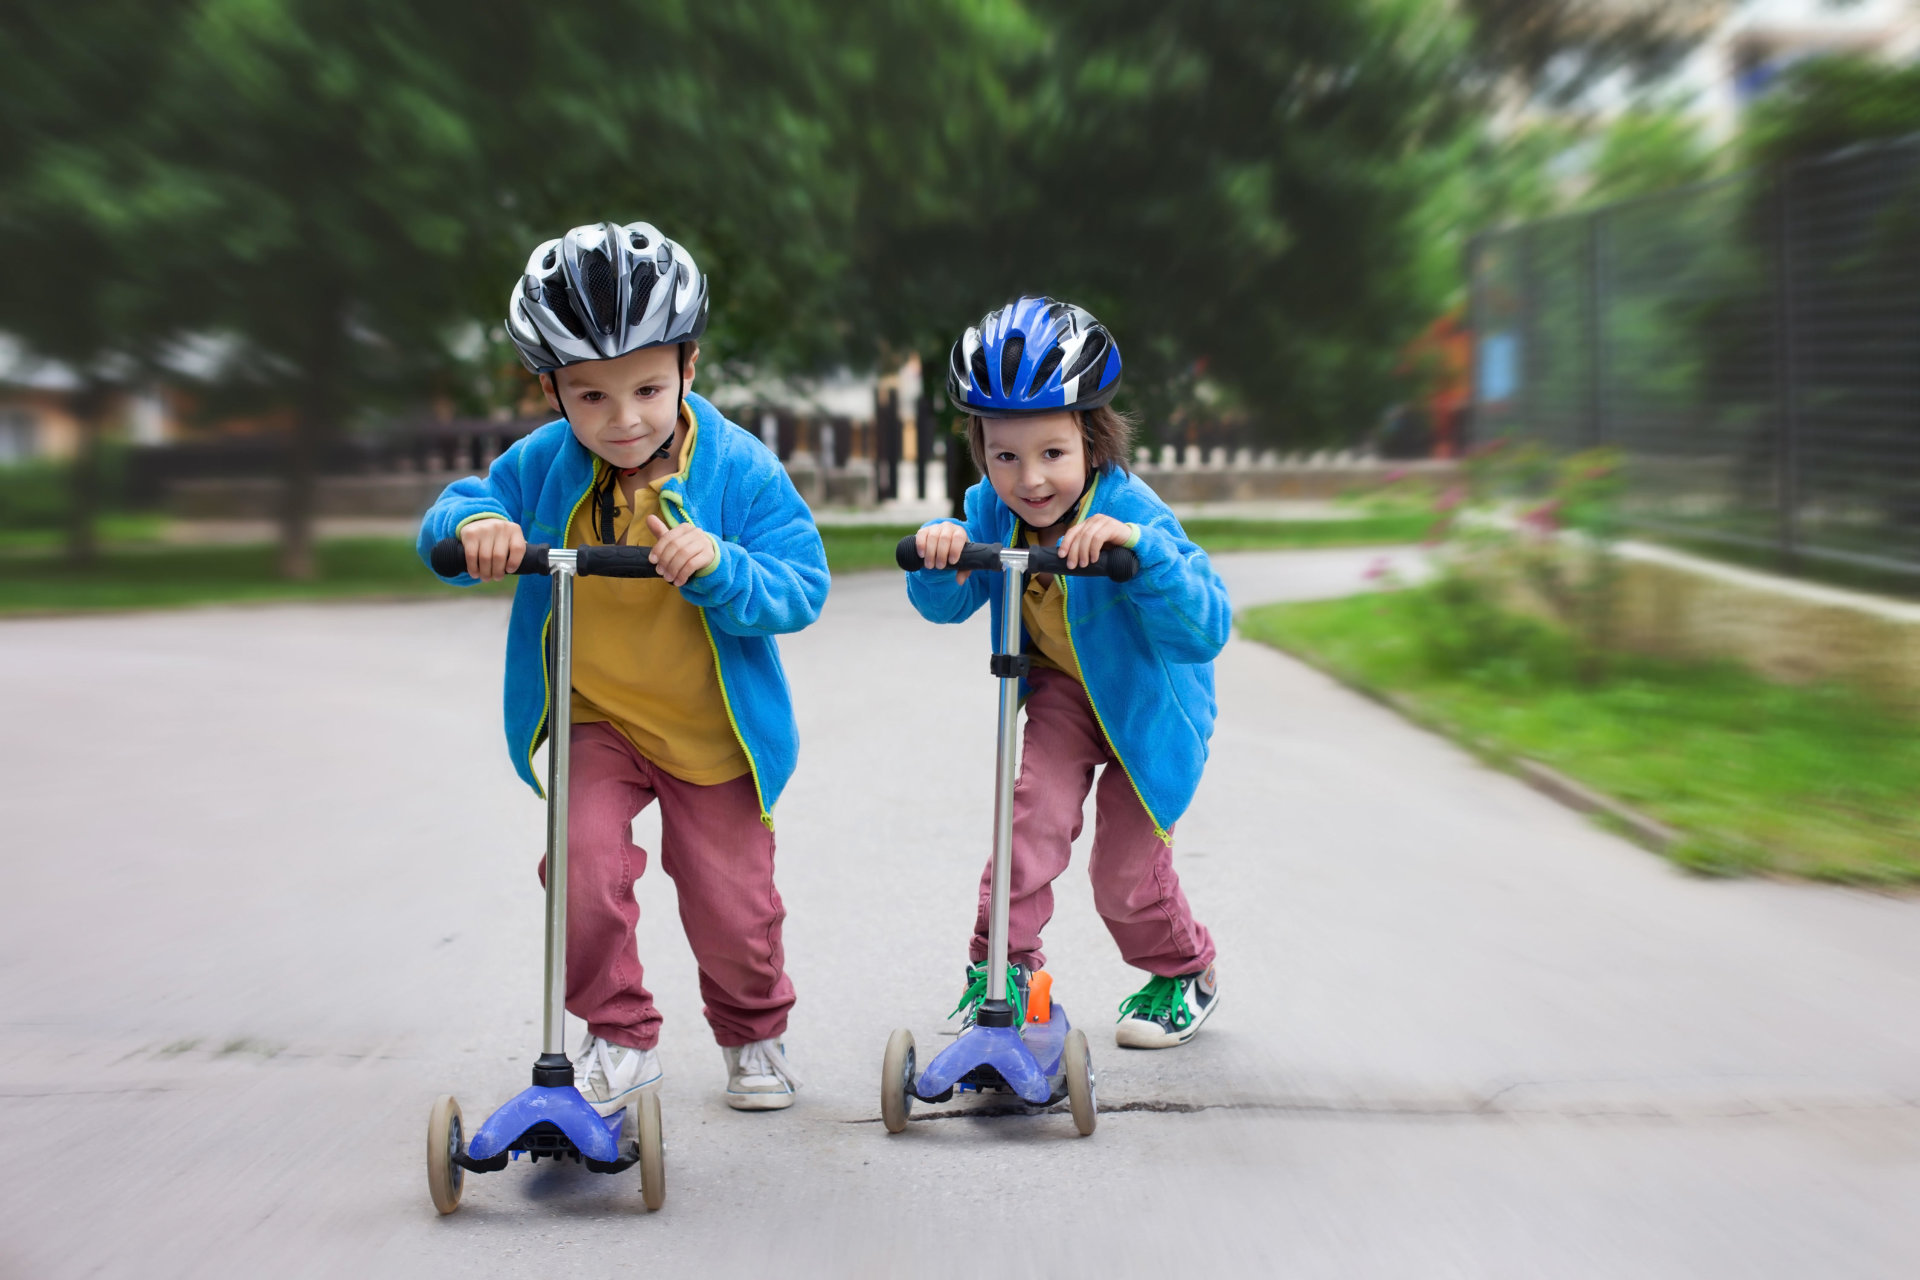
(41, 412)
(1755, 42)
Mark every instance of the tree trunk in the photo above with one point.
(296, 505)
(83, 482)
(316, 415)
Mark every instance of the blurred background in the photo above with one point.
(259, 251)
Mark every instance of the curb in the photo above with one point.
(1648, 832)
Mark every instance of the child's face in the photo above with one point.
(621, 409)
(1037, 465)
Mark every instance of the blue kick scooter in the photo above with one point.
(551, 1120)
(1044, 1058)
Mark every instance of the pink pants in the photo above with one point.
(1134, 885)
(720, 857)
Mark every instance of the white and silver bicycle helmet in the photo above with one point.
(602, 291)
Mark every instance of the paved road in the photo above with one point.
(267, 888)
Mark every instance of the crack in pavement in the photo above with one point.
(1489, 1108)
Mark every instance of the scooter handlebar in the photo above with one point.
(449, 560)
(1117, 563)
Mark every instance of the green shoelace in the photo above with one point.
(977, 991)
(1161, 998)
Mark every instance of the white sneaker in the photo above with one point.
(610, 1075)
(758, 1077)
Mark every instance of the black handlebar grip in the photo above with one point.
(1117, 563)
(449, 558)
(616, 562)
(975, 555)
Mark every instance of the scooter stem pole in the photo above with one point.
(559, 758)
(1013, 565)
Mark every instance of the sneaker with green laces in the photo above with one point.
(976, 993)
(1167, 1011)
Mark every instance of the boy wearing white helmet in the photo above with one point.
(678, 694)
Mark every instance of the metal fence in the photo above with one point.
(1751, 345)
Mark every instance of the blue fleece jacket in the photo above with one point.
(1145, 647)
(771, 576)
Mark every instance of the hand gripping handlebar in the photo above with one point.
(449, 560)
(1117, 563)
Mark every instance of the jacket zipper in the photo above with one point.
(1066, 617)
(720, 678)
(546, 627)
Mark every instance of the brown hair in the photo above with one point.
(1106, 432)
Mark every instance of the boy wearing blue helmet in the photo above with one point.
(1122, 673)
(678, 694)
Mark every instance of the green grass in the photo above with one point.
(1819, 782)
(165, 577)
(133, 573)
(113, 529)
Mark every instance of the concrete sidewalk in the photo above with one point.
(268, 888)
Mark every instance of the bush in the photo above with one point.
(34, 495)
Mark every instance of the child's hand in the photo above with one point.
(1084, 542)
(494, 548)
(679, 552)
(940, 545)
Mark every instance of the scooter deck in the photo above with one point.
(1027, 1060)
(549, 1121)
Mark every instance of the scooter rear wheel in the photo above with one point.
(1078, 1065)
(653, 1156)
(896, 1081)
(445, 1177)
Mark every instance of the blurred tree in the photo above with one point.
(1649, 149)
(1221, 180)
(1559, 49)
(1827, 104)
(72, 75)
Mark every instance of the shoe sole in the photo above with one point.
(1135, 1033)
(759, 1101)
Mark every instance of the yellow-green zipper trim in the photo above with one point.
(1066, 618)
(546, 669)
(719, 676)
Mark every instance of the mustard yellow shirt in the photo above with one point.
(642, 660)
(1044, 610)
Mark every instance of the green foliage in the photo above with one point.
(1820, 781)
(1830, 103)
(1649, 149)
(1543, 524)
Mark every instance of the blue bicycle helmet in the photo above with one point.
(1033, 355)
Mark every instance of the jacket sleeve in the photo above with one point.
(469, 498)
(1182, 603)
(935, 592)
(773, 579)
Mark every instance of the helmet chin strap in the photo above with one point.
(627, 473)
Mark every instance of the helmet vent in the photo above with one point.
(638, 241)
(1010, 354)
(641, 292)
(560, 305)
(981, 378)
(603, 292)
(1047, 366)
(1090, 355)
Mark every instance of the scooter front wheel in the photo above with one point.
(896, 1081)
(1078, 1065)
(653, 1155)
(445, 1177)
